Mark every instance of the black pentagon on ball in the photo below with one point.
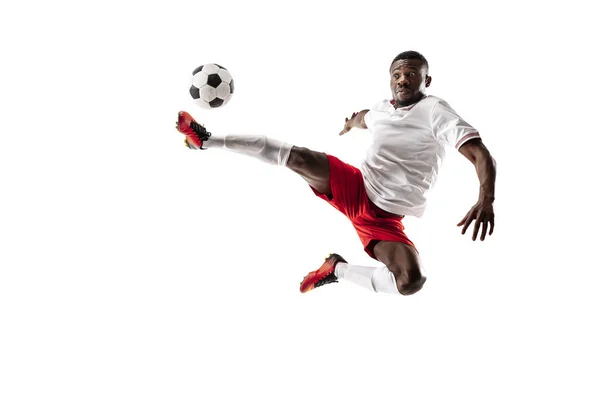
(197, 70)
(231, 86)
(214, 80)
(216, 102)
(222, 67)
(195, 92)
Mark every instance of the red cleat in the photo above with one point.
(195, 134)
(323, 275)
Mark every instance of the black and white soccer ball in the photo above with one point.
(212, 86)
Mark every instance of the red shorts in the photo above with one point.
(348, 195)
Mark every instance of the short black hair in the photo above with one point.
(412, 55)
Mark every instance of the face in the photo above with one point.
(408, 80)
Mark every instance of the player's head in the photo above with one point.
(409, 76)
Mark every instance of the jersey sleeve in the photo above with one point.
(449, 128)
(368, 118)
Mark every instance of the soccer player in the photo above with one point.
(410, 135)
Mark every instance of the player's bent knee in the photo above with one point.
(406, 287)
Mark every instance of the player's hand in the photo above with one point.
(349, 124)
(483, 215)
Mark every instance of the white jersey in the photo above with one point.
(407, 151)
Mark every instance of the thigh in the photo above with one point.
(376, 226)
(311, 165)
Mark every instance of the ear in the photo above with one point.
(427, 81)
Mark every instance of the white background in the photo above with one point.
(134, 268)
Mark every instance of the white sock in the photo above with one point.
(377, 279)
(269, 150)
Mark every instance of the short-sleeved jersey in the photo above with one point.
(407, 151)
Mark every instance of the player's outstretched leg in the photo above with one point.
(311, 165)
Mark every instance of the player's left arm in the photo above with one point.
(483, 211)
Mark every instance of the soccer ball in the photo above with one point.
(212, 86)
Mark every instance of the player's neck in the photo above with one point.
(402, 105)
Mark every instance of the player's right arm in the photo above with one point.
(357, 120)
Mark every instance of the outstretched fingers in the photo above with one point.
(484, 230)
(476, 227)
(466, 221)
(483, 215)
(348, 123)
(482, 223)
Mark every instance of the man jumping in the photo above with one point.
(410, 135)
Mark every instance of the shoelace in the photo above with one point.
(328, 279)
(200, 130)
